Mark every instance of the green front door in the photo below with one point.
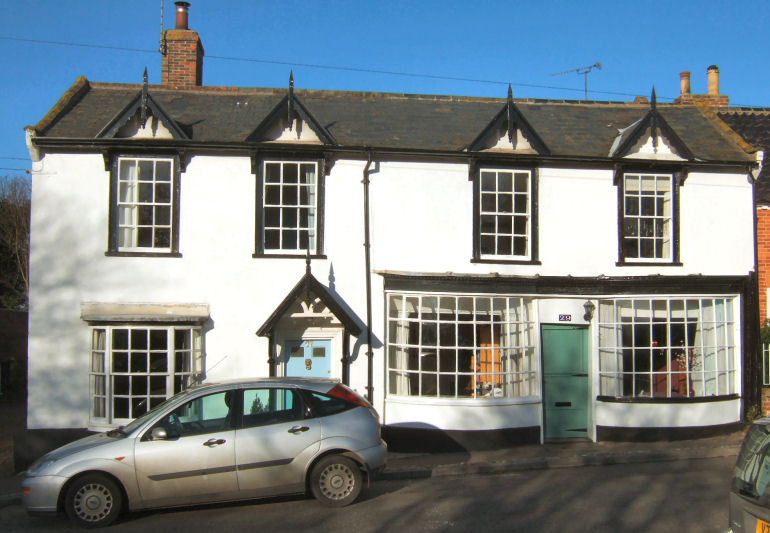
(565, 381)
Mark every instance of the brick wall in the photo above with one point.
(182, 65)
(766, 401)
(713, 100)
(763, 259)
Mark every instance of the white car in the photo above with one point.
(214, 443)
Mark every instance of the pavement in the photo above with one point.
(566, 454)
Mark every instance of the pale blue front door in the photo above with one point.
(308, 358)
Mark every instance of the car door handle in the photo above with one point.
(298, 429)
(214, 442)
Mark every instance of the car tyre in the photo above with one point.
(336, 481)
(93, 500)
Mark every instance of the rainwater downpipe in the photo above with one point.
(368, 261)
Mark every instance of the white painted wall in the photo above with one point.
(463, 415)
(641, 415)
(421, 221)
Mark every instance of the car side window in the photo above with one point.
(323, 405)
(206, 414)
(262, 407)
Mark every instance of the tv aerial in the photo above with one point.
(584, 71)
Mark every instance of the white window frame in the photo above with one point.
(142, 205)
(429, 326)
(500, 223)
(662, 218)
(685, 343)
(286, 209)
(108, 378)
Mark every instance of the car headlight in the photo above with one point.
(40, 465)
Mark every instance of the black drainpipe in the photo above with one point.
(367, 259)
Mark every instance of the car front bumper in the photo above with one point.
(40, 494)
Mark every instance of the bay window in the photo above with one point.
(667, 348)
(461, 346)
(135, 368)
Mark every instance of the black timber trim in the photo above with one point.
(143, 254)
(751, 385)
(433, 440)
(568, 286)
(652, 116)
(113, 159)
(258, 159)
(290, 104)
(361, 152)
(668, 434)
(475, 168)
(509, 113)
(679, 175)
(303, 290)
(653, 400)
(119, 120)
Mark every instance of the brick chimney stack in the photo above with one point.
(712, 98)
(182, 63)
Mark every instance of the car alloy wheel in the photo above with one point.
(336, 481)
(93, 501)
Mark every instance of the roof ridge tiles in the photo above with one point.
(208, 89)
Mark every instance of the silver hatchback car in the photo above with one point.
(214, 443)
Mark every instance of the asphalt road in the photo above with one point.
(679, 496)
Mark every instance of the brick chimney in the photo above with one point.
(712, 98)
(182, 64)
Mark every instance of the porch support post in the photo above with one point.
(271, 354)
(346, 358)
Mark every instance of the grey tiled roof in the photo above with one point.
(753, 124)
(383, 120)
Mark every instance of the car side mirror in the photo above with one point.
(159, 433)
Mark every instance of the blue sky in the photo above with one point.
(639, 44)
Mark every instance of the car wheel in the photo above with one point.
(93, 501)
(336, 481)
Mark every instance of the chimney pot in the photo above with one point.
(182, 15)
(713, 80)
(684, 78)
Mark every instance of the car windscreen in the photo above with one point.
(752, 469)
(136, 422)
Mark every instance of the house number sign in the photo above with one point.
(565, 318)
